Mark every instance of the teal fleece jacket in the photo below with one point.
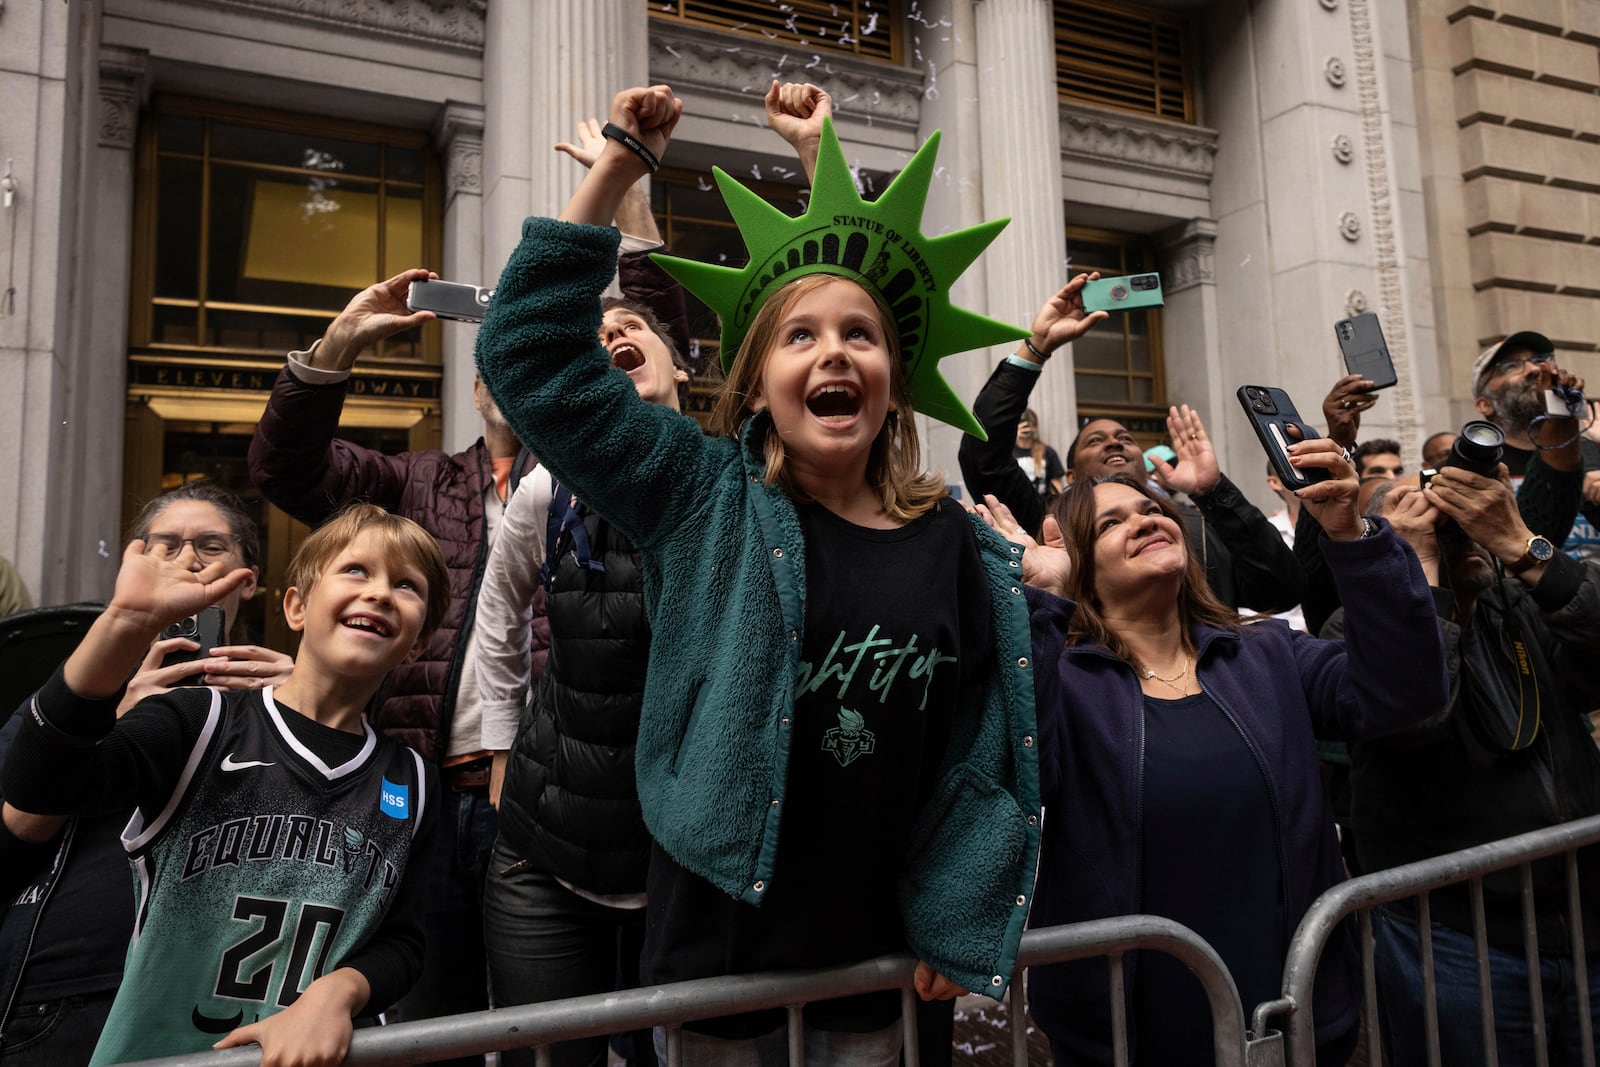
(724, 584)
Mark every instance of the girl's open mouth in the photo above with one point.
(834, 401)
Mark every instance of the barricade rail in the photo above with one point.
(673, 1005)
(670, 1006)
(1415, 880)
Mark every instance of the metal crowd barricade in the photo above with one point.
(673, 1005)
(1415, 880)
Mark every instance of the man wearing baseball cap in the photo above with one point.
(1546, 455)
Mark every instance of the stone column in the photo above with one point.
(547, 65)
(1189, 281)
(93, 337)
(459, 135)
(1020, 141)
(78, 300)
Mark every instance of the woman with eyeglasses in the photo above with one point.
(62, 945)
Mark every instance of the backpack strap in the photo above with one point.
(565, 532)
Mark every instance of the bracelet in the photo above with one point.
(616, 133)
(1027, 342)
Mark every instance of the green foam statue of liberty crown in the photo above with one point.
(879, 245)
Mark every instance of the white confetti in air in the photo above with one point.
(871, 27)
(704, 186)
(101, 550)
(852, 96)
(815, 60)
(671, 51)
(755, 171)
(1245, 261)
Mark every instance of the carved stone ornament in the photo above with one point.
(452, 23)
(459, 134)
(123, 80)
(737, 70)
(116, 116)
(1344, 149)
(464, 167)
(1350, 226)
(1129, 140)
(1355, 302)
(1334, 71)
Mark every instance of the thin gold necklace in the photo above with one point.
(1170, 683)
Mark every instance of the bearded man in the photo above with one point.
(1547, 456)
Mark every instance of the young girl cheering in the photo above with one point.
(836, 752)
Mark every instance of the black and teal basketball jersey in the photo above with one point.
(263, 871)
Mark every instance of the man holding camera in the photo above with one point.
(1509, 754)
(1518, 387)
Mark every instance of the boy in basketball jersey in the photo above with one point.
(273, 828)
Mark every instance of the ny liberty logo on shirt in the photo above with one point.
(866, 673)
(849, 739)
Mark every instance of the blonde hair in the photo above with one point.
(894, 467)
(403, 542)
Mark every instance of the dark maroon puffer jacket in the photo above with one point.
(299, 465)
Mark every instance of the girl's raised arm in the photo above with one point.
(640, 126)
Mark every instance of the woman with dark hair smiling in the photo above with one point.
(1178, 762)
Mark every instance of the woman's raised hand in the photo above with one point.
(1044, 566)
(154, 590)
(1062, 319)
(1333, 502)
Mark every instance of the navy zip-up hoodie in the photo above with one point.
(1282, 689)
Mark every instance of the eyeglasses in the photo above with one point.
(1511, 366)
(210, 547)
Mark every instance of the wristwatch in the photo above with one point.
(1540, 550)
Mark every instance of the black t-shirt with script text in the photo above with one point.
(897, 636)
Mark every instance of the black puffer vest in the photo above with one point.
(570, 805)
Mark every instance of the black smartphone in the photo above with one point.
(1271, 413)
(1365, 351)
(449, 300)
(205, 629)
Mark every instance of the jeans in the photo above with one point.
(454, 975)
(1397, 950)
(56, 1033)
(547, 943)
(824, 1048)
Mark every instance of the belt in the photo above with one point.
(469, 777)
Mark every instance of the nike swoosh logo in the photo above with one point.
(208, 1024)
(228, 763)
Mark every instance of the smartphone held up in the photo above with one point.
(1124, 293)
(205, 630)
(1365, 351)
(449, 300)
(1271, 414)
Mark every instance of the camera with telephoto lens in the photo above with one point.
(1477, 448)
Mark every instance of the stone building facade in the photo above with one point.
(1432, 160)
